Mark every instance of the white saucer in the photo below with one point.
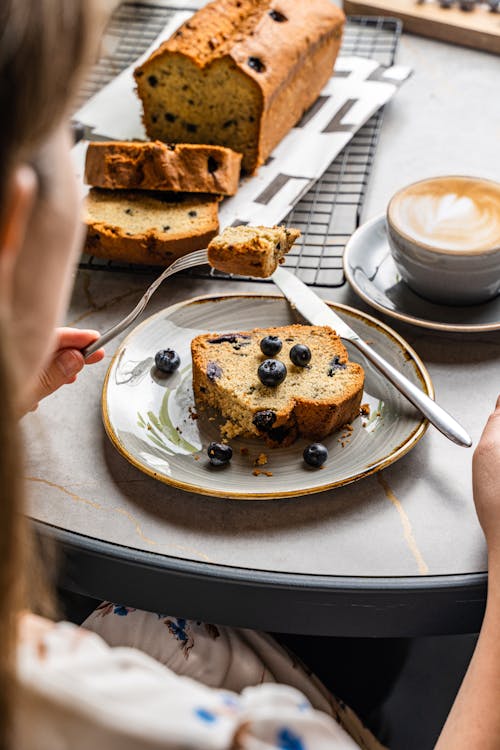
(371, 272)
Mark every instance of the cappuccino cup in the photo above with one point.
(444, 235)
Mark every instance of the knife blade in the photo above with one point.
(317, 312)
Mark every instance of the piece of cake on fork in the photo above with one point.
(251, 251)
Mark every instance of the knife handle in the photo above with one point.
(436, 415)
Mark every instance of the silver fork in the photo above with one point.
(196, 258)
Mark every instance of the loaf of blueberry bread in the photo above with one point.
(240, 73)
(151, 165)
(251, 251)
(149, 228)
(277, 383)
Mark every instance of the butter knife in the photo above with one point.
(317, 312)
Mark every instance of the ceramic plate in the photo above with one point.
(152, 420)
(371, 272)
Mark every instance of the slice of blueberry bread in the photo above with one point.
(251, 251)
(277, 383)
(149, 228)
(152, 165)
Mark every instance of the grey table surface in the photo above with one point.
(418, 520)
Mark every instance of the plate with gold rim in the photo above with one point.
(152, 419)
(370, 270)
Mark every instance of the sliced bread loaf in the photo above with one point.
(240, 73)
(149, 228)
(250, 251)
(152, 165)
(312, 401)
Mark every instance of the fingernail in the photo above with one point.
(69, 363)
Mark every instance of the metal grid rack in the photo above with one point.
(330, 211)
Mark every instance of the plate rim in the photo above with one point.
(413, 438)
(404, 317)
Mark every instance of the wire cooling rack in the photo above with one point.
(330, 211)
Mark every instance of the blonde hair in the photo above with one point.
(44, 45)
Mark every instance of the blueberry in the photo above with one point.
(264, 420)
(219, 454)
(300, 354)
(277, 16)
(214, 371)
(213, 165)
(166, 360)
(231, 338)
(256, 64)
(315, 455)
(271, 372)
(334, 366)
(271, 345)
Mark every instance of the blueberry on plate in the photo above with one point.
(315, 455)
(271, 345)
(219, 454)
(271, 372)
(300, 354)
(166, 360)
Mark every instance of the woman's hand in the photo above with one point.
(486, 482)
(66, 362)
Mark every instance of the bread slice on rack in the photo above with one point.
(251, 251)
(312, 401)
(152, 165)
(149, 228)
(240, 73)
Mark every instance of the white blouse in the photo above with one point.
(79, 693)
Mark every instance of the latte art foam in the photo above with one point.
(454, 214)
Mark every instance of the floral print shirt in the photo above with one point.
(207, 688)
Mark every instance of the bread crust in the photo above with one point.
(295, 58)
(225, 378)
(153, 165)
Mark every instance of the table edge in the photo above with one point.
(381, 606)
